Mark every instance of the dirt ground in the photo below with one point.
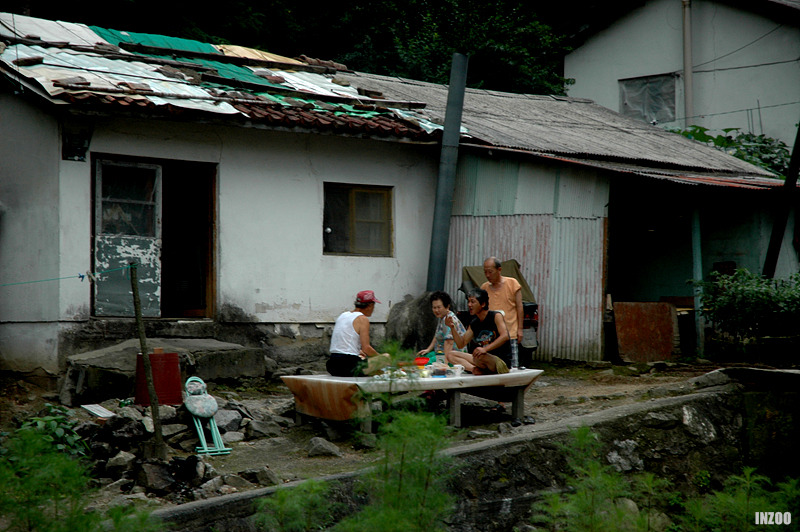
(562, 391)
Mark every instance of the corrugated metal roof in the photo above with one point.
(205, 80)
(162, 74)
(21, 26)
(561, 126)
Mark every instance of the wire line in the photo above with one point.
(80, 276)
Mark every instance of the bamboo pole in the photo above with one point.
(159, 450)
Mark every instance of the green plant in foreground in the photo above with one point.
(44, 489)
(303, 507)
(595, 488)
(407, 489)
(598, 498)
(56, 426)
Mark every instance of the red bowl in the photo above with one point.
(421, 361)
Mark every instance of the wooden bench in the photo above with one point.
(344, 398)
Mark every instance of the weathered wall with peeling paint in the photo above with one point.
(269, 264)
(29, 234)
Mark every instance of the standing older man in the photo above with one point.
(351, 354)
(505, 293)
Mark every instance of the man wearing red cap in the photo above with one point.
(351, 353)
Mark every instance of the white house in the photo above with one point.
(258, 194)
(744, 56)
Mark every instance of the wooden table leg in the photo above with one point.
(518, 404)
(454, 401)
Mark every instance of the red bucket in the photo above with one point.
(166, 379)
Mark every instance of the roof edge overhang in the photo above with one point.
(684, 176)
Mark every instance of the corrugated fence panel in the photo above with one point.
(574, 309)
(566, 279)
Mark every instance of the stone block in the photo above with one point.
(322, 447)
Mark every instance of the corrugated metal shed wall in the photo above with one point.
(556, 234)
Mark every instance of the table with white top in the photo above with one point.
(344, 398)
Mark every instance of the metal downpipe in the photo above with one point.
(688, 81)
(445, 184)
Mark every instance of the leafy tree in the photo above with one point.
(510, 48)
(766, 152)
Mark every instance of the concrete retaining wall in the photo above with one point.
(735, 418)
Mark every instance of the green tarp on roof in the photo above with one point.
(161, 41)
(226, 70)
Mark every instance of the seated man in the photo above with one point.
(351, 354)
(488, 330)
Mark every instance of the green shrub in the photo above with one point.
(768, 153)
(595, 491)
(745, 305)
(407, 489)
(44, 489)
(56, 427)
(304, 507)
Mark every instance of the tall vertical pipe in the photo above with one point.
(697, 274)
(688, 82)
(445, 185)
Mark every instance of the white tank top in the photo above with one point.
(344, 338)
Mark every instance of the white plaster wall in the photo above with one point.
(269, 260)
(75, 239)
(29, 237)
(733, 84)
(270, 232)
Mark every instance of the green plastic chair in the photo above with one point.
(203, 407)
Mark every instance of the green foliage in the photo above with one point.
(766, 152)
(745, 305)
(594, 499)
(407, 490)
(510, 48)
(304, 507)
(44, 489)
(592, 502)
(396, 352)
(702, 481)
(732, 509)
(56, 426)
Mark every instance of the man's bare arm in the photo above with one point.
(361, 326)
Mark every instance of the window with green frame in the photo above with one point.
(357, 220)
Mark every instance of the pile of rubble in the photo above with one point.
(118, 446)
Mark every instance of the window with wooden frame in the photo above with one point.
(357, 220)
